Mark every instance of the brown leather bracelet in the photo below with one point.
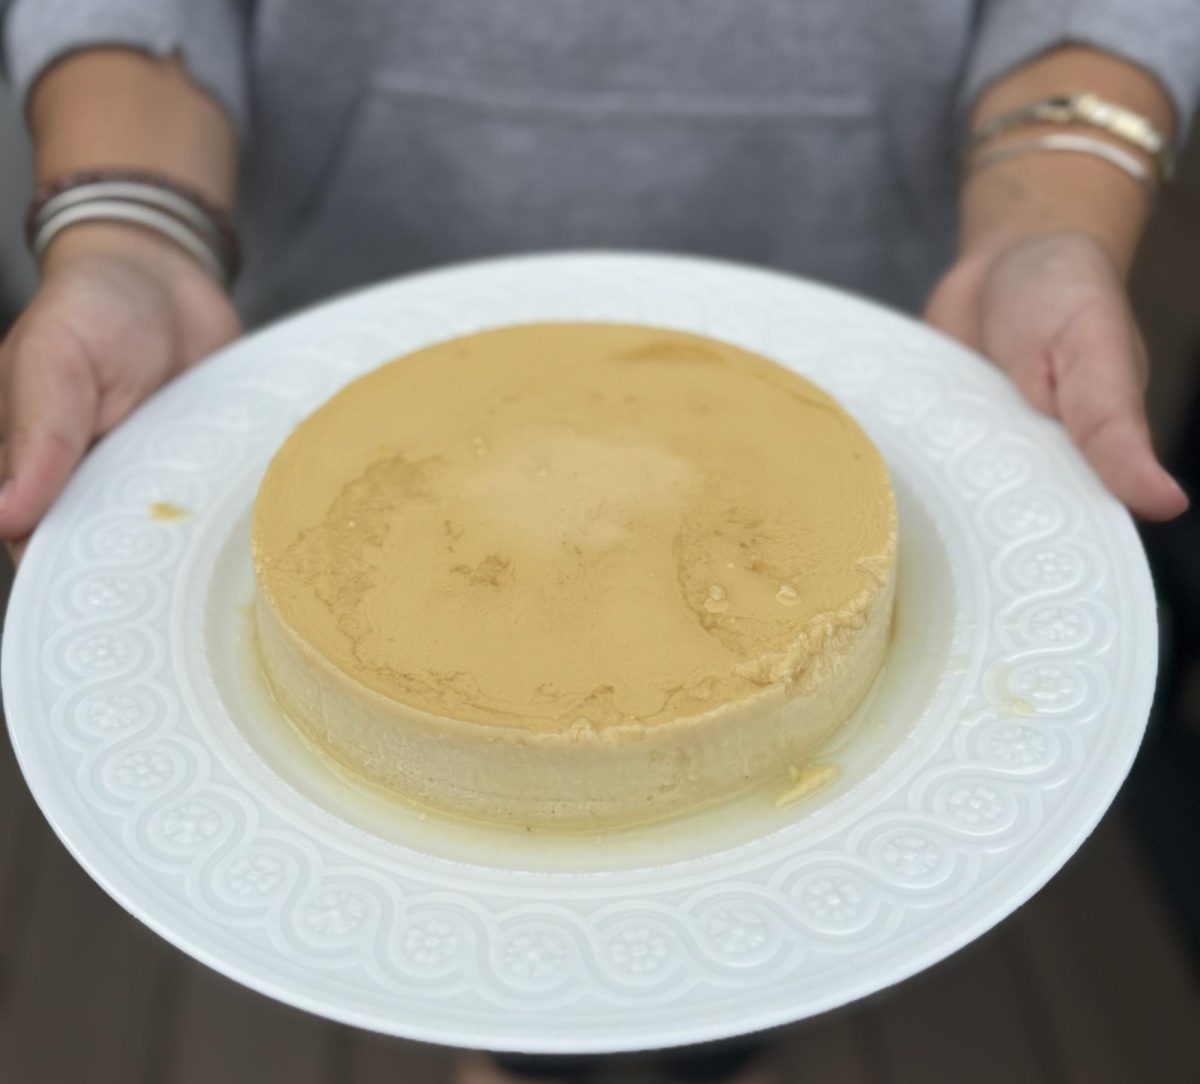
(218, 225)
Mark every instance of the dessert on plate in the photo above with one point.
(573, 574)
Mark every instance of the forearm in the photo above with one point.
(1057, 191)
(120, 108)
(1047, 238)
(121, 308)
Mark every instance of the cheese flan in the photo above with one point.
(574, 574)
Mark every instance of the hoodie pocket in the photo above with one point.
(431, 170)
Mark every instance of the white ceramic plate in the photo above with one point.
(1006, 718)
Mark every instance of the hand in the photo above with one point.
(119, 312)
(1051, 310)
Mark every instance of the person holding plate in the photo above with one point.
(990, 163)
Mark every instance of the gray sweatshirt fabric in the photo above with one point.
(816, 136)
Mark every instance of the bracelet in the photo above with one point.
(1089, 109)
(100, 210)
(176, 211)
(1071, 143)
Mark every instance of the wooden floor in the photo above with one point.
(1090, 982)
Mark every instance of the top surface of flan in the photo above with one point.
(556, 525)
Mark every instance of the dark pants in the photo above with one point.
(702, 1062)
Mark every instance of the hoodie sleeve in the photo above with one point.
(210, 37)
(1160, 36)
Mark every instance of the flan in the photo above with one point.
(574, 574)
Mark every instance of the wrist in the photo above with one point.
(127, 243)
(139, 268)
(1042, 194)
(1078, 67)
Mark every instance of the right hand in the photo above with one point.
(119, 312)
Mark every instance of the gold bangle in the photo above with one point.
(1084, 108)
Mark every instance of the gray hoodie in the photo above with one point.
(818, 136)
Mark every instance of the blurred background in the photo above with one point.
(1096, 980)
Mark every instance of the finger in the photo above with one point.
(15, 550)
(1099, 396)
(51, 405)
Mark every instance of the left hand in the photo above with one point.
(1051, 310)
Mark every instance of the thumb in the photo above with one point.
(50, 408)
(1096, 362)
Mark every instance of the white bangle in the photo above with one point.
(1071, 143)
(139, 192)
(116, 210)
(204, 229)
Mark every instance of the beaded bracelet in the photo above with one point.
(174, 210)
